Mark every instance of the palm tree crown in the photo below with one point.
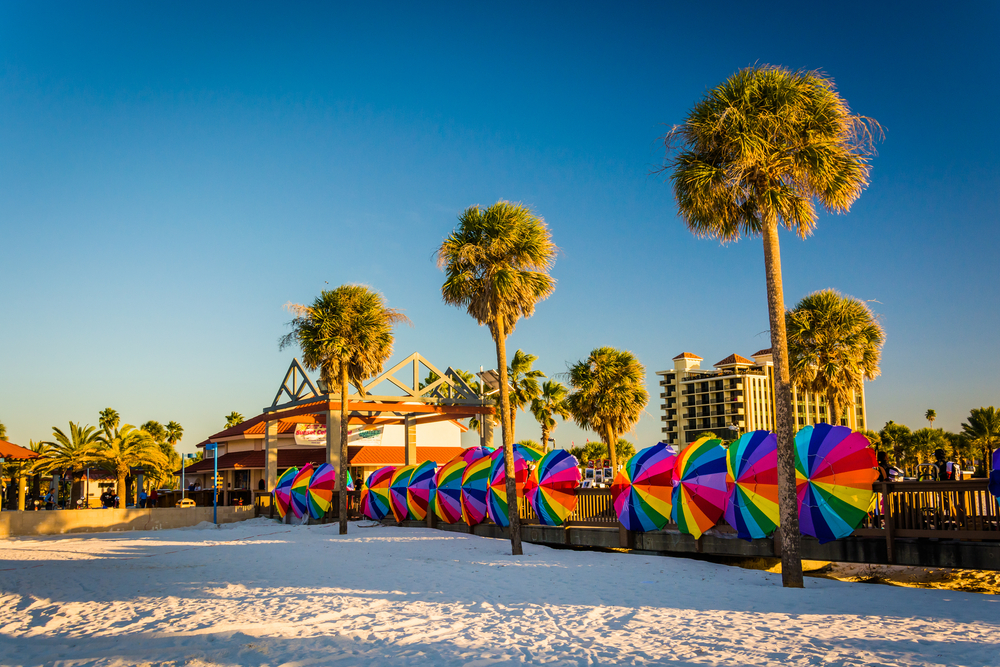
(126, 448)
(72, 452)
(834, 344)
(930, 416)
(609, 394)
(347, 334)
(551, 403)
(983, 430)
(496, 265)
(109, 419)
(233, 418)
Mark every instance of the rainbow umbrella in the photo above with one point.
(321, 486)
(471, 454)
(551, 487)
(496, 499)
(283, 491)
(752, 485)
(834, 473)
(995, 475)
(398, 491)
(300, 491)
(642, 489)
(420, 490)
(448, 494)
(375, 502)
(475, 486)
(699, 495)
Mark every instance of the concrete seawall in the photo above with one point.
(58, 522)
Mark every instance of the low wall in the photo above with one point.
(58, 522)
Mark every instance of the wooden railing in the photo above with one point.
(594, 507)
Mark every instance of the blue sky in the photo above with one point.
(173, 173)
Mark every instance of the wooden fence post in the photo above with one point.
(887, 524)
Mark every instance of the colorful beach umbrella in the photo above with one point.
(471, 454)
(321, 485)
(995, 475)
(375, 502)
(551, 487)
(752, 485)
(642, 489)
(699, 496)
(283, 491)
(496, 499)
(300, 491)
(398, 492)
(475, 486)
(834, 473)
(420, 490)
(448, 491)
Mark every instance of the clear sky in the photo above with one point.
(171, 174)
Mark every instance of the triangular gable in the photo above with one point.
(296, 386)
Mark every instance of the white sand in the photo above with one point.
(259, 593)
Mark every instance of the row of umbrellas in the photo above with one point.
(473, 487)
(307, 490)
(834, 472)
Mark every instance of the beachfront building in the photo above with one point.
(411, 425)
(734, 397)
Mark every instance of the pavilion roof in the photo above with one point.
(12, 452)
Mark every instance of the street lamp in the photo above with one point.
(553, 442)
(214, 447)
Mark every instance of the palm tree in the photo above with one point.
(834, 344)
(983, 431)
(551, 403)
(755, 153)
(3, 431)
(233, 418)
(347, 334)
(524, 386)
(72, 452)
(109, 419)
(174, 433)
(930, 416)
(127, 448)
(609, 395)
(496, 266)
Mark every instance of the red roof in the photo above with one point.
(761, 353)
(734, 359)
(685, 355)
(10, 451)
(370, 455)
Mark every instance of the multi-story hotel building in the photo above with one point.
(734, 398)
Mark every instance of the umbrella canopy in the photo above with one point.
(995, 475)
(497, 497)
(375, 502)
(321, 485)
(300, 491)
(834, 472)
(551, 487)
(752, 485)
(420, 490)
(448, 493)
(699, 496)
(642, 489)
(398, 491)
(475, 485)
(283, 491)
(471, 454)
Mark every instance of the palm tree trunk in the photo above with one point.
(344, 454)
(791, 561)
(612, 438)
(508, 439)
(121, 490)
(545, 437)
(834, 407)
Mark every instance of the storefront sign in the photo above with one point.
(314, 435)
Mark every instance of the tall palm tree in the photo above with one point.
(551, 403)
(757, 152)
(233, 418)
(174, 433)
(524, 386)
(155, 430)
(609, 395)
(3, 431)
(126, 448)
(930, 416)
(497, 264)
(834, 344)
(347, 334)
(983, 431)
(109, 419)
